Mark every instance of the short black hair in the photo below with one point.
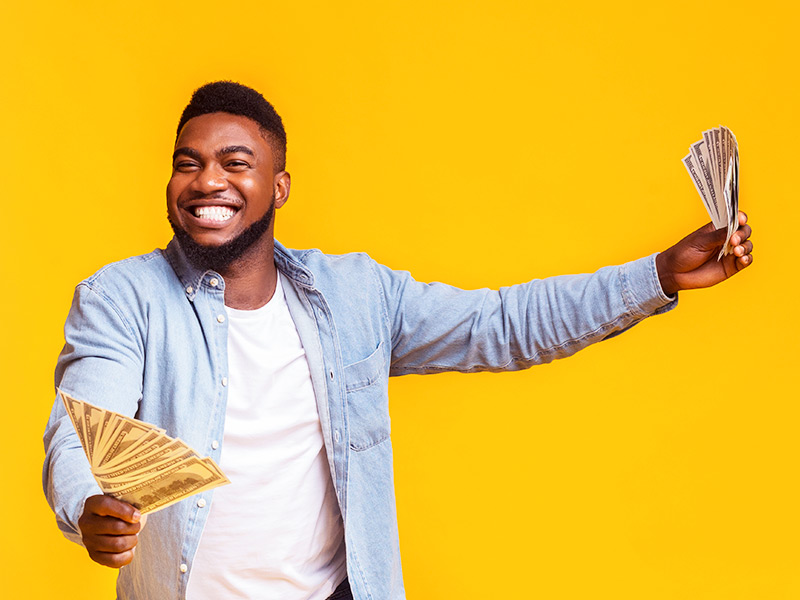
(237, 99)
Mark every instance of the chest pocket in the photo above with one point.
(366, 382)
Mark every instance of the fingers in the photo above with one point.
(743, 249)
(108, 506)
(111, 550)
(741, 235)
(113, 560)
(114, 550)
(109, 528)
(97, 525)
(744, 261)
(742, 244)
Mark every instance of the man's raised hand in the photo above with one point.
(109, 528)
(692, 263)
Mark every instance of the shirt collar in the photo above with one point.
(192, 278)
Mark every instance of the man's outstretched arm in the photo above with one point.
(692, 263)
(439, 328)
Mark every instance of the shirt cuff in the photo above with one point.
(642, 288)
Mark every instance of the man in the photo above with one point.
(281, 358)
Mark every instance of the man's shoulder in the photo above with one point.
(315, 263)
(316, 256)
(139, 271)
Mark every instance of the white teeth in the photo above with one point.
(214, 213)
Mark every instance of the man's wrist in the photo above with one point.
(666, 277)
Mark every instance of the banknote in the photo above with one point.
(713, 165)
(138, 462)
(173, 485)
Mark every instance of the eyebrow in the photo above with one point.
(192, 153)
(234, 150)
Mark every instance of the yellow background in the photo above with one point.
(481, 144)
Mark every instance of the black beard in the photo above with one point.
(219, 258)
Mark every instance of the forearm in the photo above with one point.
(559, 316)
(438, 328)
(66, 475)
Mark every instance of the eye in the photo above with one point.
(185, 166)
(236, 165)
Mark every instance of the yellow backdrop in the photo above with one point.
(481, 144)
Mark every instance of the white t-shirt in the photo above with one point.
(274, 533)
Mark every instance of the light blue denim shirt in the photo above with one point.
(147, 337)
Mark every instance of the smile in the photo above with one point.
(218, 214)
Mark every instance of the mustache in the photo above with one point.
(215, 196)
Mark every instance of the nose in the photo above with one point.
(210, 180)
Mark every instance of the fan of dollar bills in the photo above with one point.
(713, 164)
(137, 462)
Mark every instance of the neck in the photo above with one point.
(250, 280)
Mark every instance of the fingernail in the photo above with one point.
(136, 516)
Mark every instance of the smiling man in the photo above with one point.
(276, 362)
(228, 178)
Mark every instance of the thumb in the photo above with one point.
(708, 238)
(108, 506)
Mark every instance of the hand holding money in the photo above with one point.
(693, 262)
(140, 469)
(110, 530)
(137, 462)
(713, 164)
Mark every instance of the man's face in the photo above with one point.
(223, 179)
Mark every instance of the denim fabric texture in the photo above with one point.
(147, 337)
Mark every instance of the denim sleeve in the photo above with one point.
(436, 327)
(101, 363)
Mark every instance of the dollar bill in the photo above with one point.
(137, 466)
(127, 436)
(138, 462)
(75, 412)
(713, 165)
(171, 485)
(149, 441)
(92, 417)
(126, 477)
(701, 155)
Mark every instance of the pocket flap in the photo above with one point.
(365, 372)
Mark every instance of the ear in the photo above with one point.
(281, 185)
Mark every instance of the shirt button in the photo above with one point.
(184, 568)
(214, 445)
(224, 381)
(220, 318)
(213, 282)
(189, 290)
(201, 503)
(336, 435)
